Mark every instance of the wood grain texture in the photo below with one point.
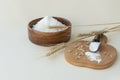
(75, 54)
(49, 38)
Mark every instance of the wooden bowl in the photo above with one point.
(49, 38)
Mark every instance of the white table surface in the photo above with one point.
(21, 60)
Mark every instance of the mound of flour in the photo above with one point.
(43, 25)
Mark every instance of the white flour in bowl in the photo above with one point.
(43, 25)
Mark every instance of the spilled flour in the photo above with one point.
(94, 56)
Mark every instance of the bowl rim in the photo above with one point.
(38, 19)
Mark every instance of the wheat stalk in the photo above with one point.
(60, 46)
(56, 48)
(106, 30)
(51, 27)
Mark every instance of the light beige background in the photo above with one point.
(20, 59)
